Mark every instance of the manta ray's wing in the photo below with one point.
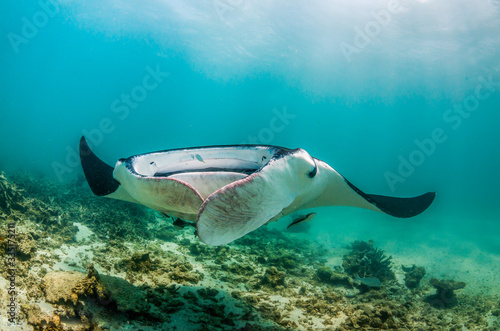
(336, 190)
(293, 182)
(397, 207)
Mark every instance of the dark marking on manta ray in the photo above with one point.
(313, 173)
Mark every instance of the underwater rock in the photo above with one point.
(326, 275)
(283, 260)
(445, 296)
(140, 261)
(90, 286)
(40, 320)
(413, 275)
(369, 317)
(183, 272)
(58, 286)
(63, 287)
(317, 307)
(273, 278)
(240, 269)
(26, 246)
(198, 249)
(366, 261)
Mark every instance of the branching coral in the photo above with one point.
(366, 261)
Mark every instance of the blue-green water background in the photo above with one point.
(232, 64)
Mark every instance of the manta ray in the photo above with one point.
(229, 191)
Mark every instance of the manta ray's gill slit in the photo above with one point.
(246, 171)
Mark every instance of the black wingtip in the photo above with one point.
(402, 207)
(99, 175)
(398, 207)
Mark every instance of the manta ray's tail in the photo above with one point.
(99, 175)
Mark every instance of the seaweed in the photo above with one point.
(364, 260)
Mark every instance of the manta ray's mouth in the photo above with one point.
(242, 160)
(206, 169)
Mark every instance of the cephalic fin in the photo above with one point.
(99, 175)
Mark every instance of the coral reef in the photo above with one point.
(139, 262)
(445, 296)
(364, 260)
(272, 277)
(367, 316)
(59, 285)
(85, 263)
(326, 275)
(413, 275)
(11, 197)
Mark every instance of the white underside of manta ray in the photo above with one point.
(229, 191)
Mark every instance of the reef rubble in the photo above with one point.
(85, 263)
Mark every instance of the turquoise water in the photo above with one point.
(401, 98)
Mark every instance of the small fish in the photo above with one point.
(369, 281)
(302, 219)
(181, 224)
